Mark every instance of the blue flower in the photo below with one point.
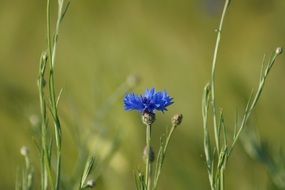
(150, 102)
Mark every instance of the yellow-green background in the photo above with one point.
(169, 44)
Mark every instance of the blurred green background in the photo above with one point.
(169, 44)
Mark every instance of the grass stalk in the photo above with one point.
(53, 100)
(217, 158)
(46, 172)
(252, 102)
(213, 74)
(213, 78)
(207, 143)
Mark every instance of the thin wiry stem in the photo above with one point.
(252, 103)
(207, 143)
(213, 77)
(161, 156)
(53, 99)
(45, 158)
(147, 169)
(213, 100)
(222, 150)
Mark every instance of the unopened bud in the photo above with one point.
(278, 51)
(151, 154)
(35, 120)
(25, 151)
(90, 183)
(44, 56)
(148, 118)
(133, 80)
(177, 119)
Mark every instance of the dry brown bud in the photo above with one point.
(177, 119)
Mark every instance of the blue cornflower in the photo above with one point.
(150, 102)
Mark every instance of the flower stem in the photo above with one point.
(213, 101)
(52, 91)
(161, 156)
(147, 169)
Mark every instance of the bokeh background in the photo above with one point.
(169, 45)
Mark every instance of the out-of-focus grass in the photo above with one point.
(169, 44)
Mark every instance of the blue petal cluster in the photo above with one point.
(151, 101)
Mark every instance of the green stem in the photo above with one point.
(168, 138)
(251, 105)
(43, 130)
(162, 154)
(51, 59)
(45, 165)
(207, 144)
(222, 179)
(147, 169)
(213, 101)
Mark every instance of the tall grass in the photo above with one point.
(219, 141)
(49, 144)
(51, 175)
(218, 150)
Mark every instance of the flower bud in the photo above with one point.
(44, 57)
(151, 154)
(133, 80)
(90, 183)
(148, 118)
(25, 151)
(34, 120)
(278, 51)
(177, 119)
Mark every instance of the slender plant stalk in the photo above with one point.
(222, 179)
(53, 99)
(207, 143)
(217, 158)
(251, 104)
(45, 158)
(161, 156)
(44, 164)
(213, 77)
(148, 166)
(168, 138)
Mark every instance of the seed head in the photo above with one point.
(177, 119)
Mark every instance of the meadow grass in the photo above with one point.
(218, 151)
(51, 176)
(219, 141)
(49, 142)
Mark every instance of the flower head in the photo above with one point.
(150, 102)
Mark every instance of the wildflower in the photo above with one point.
(150, 102)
